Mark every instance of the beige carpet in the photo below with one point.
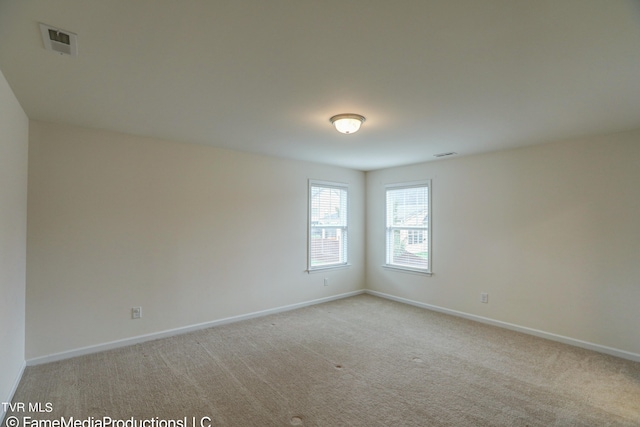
(360, 361)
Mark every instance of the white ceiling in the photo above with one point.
(430, 76)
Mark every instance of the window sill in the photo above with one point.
(407, 270)
(329, 267)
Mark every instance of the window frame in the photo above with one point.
(345, 228)
(389, 229)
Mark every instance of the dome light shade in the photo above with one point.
(347, 123)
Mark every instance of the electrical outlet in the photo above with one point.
(484, 298)
(326, 281)
(136, 312)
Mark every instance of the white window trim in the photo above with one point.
(394, 267)
(329, 184)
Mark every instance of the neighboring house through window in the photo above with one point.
(328, 228)
(408, 226)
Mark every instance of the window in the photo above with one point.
(408, 228)
(415, 237)
(327, 225)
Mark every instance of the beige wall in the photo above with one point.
(14, 138)
(190, 233)
(551, 232)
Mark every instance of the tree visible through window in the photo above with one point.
(327, 225)
(408, 226)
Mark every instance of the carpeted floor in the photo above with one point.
(360, 361)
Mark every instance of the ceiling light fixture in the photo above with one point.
(347, 123)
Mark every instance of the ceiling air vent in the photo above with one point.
(60, 41)
(445, 154)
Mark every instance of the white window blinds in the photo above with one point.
(408, 228)
(328, 228)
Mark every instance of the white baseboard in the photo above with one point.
(13, 391)
(177, 331)
(542, 334)
(168, 333)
